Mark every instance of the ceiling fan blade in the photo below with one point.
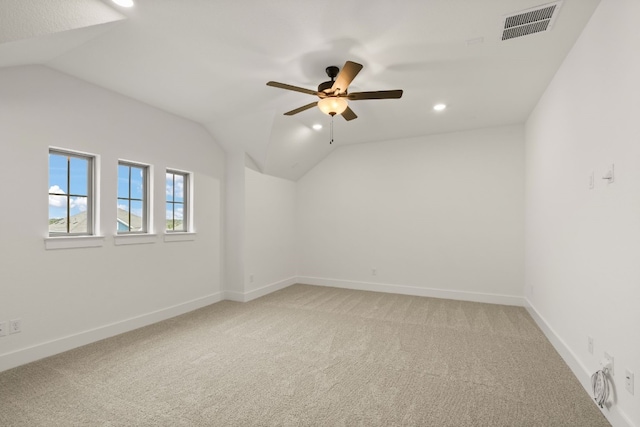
(298, 110)
(294, 88)
(346, 76)
(348, 114)
(379, 94)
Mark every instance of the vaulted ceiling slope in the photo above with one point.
(209, 61)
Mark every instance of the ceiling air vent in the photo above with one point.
(530, 21)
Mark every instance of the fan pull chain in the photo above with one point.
(331, 131)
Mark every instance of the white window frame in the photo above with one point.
(146, 198)
(90, 192)
(91, 238)
(187, 215)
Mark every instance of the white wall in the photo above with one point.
(71, 296)
(270, 251)
(583, 245)
(440, 215)
(234, 231)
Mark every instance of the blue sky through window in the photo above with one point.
(133, 191)
(175, 201)
(65, 175)
(175, 196)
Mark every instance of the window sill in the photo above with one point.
(72, 242)
(134, 239)
(179, 236)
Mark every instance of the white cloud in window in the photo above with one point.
(169, 182)
(123, 207)
(80, 203)
(56, 189)
(179, 212)
(57, 201)
(179, 188)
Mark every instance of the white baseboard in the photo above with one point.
(260, 292)
(415, 291)
(233, 296)
(40, 351)
(616, 417)
(265, 290)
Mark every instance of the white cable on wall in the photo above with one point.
(600, 387)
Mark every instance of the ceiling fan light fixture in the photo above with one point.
(333, 105)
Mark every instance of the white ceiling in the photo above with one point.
(209, 61)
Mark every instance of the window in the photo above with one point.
(70, 193)
(177, 193)
(132, 198)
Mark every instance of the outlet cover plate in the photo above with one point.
(628, 381)
(15, 326)
(609, 359)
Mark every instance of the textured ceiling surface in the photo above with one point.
(209, 61)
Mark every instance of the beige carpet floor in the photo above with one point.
(310, 356)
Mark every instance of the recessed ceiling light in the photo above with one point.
(439, 107)
(123, 3)
(317, 126)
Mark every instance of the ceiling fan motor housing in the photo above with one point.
(325, 85)
(332, 71)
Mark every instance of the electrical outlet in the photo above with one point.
(628, 381)
(4, 328)
(608, 359)
(590, 345)
(15, 326)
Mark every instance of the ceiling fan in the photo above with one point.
(333, 94)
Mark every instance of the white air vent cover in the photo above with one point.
(530, 21)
